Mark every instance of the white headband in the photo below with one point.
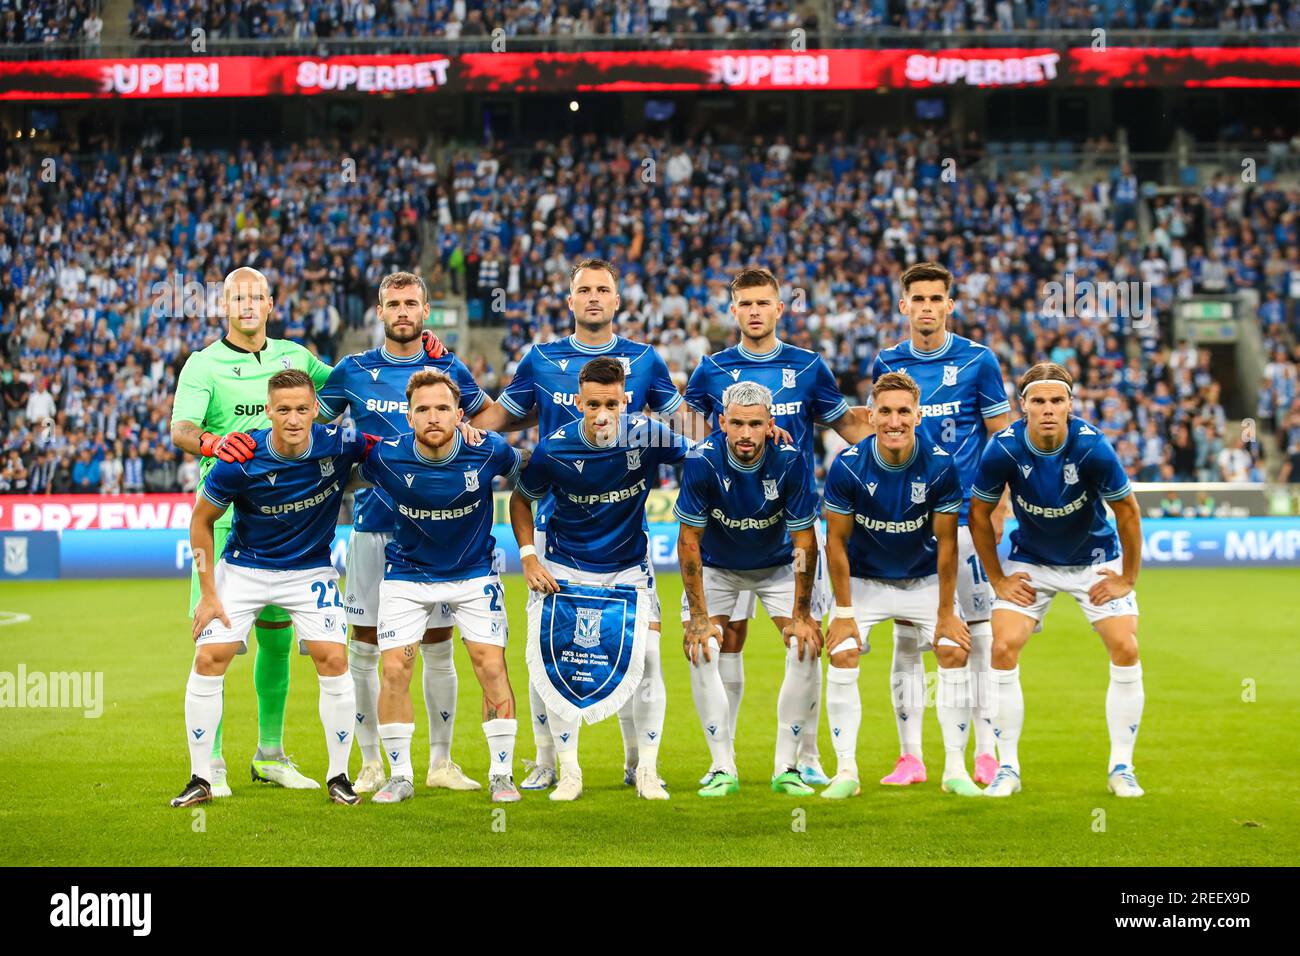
(1069, 389)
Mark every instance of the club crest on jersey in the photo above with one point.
(769, 489)
(626, 362)
(1071, 473)
(329, 622)
(634, 459)
(586, 630)
(787, 378)
(918, 492)
(471, 481)
(950, 375)
(326, 467)
(286, 364)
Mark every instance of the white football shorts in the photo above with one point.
(876, 600)
(723, 588)
(311, 596)
(476, 605)
(1048, 580)
(974, 593)
(746, 605)
(365, 574)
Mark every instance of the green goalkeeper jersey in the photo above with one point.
(222, 389)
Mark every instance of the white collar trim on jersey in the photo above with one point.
(415, 359)
(921, 353)
(875, 452)
(592, 349)
(734, 463)
(1034, 449)
(278, 457)
(455, 450)
(765, 356)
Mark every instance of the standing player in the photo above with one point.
(370, 389)
(1062, 472)
(891, 529)
(804, 395)
(547, 382)
(440, 490)
(599, 471)
(963, 401)
(220, 396)
(747, 511)
(286, 502)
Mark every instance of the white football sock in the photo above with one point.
(627, 730)
(338, 715)
(541, 728)
(1009, 716)
(731, 668)
(907, 687)
(565, 734)
(500, 734)
(649, 704)
(1124, 699)
(808, 753)
(844, 714)
(203, 703)
(363, 665)
(397, 744)
(952, 703)
(711, 704)
(440, 687)
(792, 706)
(980, 662)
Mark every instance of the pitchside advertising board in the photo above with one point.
(649, 71)
(147, 536)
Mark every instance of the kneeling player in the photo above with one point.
(600, 470)
(1061, 472)
(740, 496)
(441, 554)
(286, 501)
(891, 506)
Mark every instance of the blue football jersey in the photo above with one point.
(547, 377)
(1057, 497)
(891, 507)
(442, 509)
(803, 387)
(961, 385)
(370, 388)
(746, 511)
(598, 521)
(286, 509)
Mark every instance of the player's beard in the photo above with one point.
(391, 333)
(743, 455)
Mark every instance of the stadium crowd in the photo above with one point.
(110, 275)
(94, 326)
(305, 19)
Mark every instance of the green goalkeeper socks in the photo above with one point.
(271, 681)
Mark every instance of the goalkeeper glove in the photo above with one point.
(433, 346)
(235, 447)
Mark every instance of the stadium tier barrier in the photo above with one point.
(165, 552)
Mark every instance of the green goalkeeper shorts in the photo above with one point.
(220, 532)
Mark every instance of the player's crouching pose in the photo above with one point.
(740, 496)
(286, 501)
(891, 506)
(600, 470)
(1062, 472)
(441, 554)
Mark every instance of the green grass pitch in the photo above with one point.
(1219, 767)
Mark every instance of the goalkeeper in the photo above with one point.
(220, 396)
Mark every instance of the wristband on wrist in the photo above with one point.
(527, 551)
(844, 612)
